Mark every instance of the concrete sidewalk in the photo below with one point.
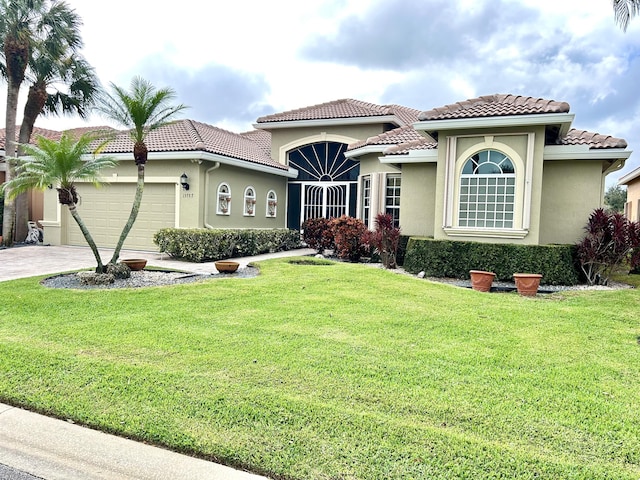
(57, 450)
(53, 449)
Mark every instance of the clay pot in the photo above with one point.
(481, 280)
(134, 263)
(226, 266)
(527, 283)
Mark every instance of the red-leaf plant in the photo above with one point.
(385, 239)
(610, 241)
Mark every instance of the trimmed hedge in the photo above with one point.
(445, 258)
(202, 244)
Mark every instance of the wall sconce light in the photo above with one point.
(183, 181)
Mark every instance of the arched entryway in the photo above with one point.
(326, 185)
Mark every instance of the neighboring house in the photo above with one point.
(632, 182)
(499, 168)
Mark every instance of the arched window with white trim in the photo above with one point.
(487, 191)
(272, 204)
(249, 202)
(223, 206)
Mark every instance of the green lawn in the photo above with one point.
(339, 372)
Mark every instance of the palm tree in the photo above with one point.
(142, 110)
(61, 163)
(50, 68)
(624, 11)
(23, 23)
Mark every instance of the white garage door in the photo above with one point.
(105, 210)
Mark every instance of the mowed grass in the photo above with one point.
(339, 372)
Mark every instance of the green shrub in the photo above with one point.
(444, 258)
(201, 244)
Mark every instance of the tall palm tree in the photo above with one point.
(61, 82)
(624, 11)
(142, 110)
(22, 24)
(61, 163)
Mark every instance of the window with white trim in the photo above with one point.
(249, 202)
(223, 204)
(366, 199)
(392, 198)
(487, 191)
(272, 204)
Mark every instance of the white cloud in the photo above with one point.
(251, 57)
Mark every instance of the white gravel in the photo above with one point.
(144, 278)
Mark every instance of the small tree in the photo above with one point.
(350, 236)
(611, 240)
(615, 198)
(317, 233)
(61, 164)
(385, 239)
(142, 109)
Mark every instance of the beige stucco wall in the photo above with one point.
(516, 139)
(569, 186)
(633, 200)
(191, 205)
(417, 199)
(370, 163)
(295, 137)
(238, 179)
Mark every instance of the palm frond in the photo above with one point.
(59, 162)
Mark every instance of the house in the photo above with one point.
(632, 206)
(498, 168)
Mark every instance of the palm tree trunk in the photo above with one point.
(9, 217)
(135, 208)
(36, 100)
(87, 236)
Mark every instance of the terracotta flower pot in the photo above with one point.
(226, 266)
(527, 283)
(481, 280)
(134, 263)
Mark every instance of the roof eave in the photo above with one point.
(583, 152)
(629, 177)
(212, 157)
(414, 156)
(327, 122)
(358, 152)
(563, 119)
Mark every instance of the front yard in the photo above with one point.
(339, 371)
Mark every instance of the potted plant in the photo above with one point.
(527, 283)
(481, 280)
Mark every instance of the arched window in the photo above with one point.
(487, 191)
(272, 204)
(249, 202)
(223, 206)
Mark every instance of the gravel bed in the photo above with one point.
(509, 286)
(145, 278)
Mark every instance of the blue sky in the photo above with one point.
(234, 61)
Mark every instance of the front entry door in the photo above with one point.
(328, 200)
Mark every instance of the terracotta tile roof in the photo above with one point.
(343, 108)
(405, 148)
(594, 140)
(396, 136)
(495, 106)
(261, 137)
(189, 135)
(37, 132)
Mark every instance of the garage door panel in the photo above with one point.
(105, 211)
